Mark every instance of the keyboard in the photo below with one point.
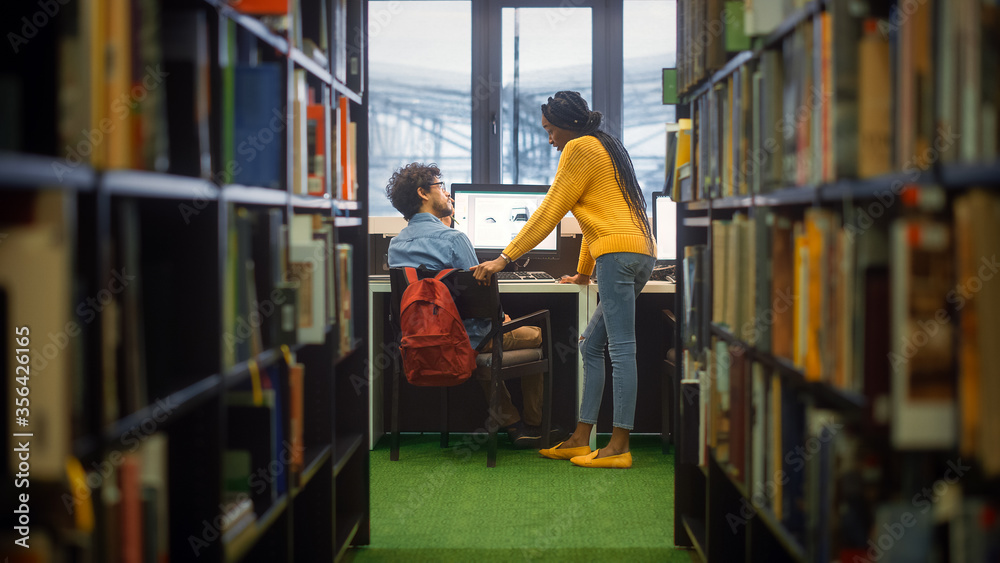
(508, 277)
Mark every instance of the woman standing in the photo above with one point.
(595, 180)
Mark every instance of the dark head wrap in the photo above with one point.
(568, 110)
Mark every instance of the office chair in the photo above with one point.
(475, 300)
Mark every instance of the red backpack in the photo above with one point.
(435, 347)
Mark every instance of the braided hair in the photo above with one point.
(568, 110)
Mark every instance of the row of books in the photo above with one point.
(264, 442)
(713, 29)
(785, 287)
(808, 469)
(305, 26)
(285, 284)
(134, 81)
(255, 154)
(876, 312)
(748, 421)
(852, 93)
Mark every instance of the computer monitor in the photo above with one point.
(491, 215)
(665, 226)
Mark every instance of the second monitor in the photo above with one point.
(491, 215)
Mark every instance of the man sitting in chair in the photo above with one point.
(416, 191)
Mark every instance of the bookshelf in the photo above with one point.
(833, 201)
(183, 266)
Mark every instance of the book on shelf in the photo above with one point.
(670, 166)
(792, 429)
(154, 480)
(340, 39)
(706, 385)
(683, 191)
(300, 136)
(764, 308)
(771, 105)
(761, 17)
(324, 233)
(316, 128)
(977, 242)
(694, 291)
(309, 260)
(143, 510)
(875, 103)
(258, 126)
(261, 7)
(720, 423)
(775, 445)
(345, 289)
(818, 461)
(149, 133)
(36, 274)
(296, 416)
(347, 143)
(758, 428)
(923, 413)
(720, 262)
(739, 386)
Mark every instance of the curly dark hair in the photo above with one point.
(568, 110)
(402, 187)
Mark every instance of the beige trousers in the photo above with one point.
(532, 386)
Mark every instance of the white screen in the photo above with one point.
(666, 228)
(492, 219)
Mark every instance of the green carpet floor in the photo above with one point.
(445, 505)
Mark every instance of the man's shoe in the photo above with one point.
(620, 461)
(524, 437)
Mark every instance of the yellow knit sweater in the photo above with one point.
(584, 184)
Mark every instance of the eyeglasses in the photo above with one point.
(443, 189)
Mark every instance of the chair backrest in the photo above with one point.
(473, 300)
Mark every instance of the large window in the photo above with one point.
(422, 96)
(544, 50)
(646, 50)
(419, 60)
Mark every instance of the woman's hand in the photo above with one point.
(483, 271)
(579, 279)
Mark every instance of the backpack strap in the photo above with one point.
(411, 275)
(441, 275)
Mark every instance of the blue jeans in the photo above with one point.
(620, 278)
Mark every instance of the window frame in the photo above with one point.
(606, 75)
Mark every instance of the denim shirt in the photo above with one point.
(426, 241)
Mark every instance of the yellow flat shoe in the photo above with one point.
(620, 461)
(565, 453)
